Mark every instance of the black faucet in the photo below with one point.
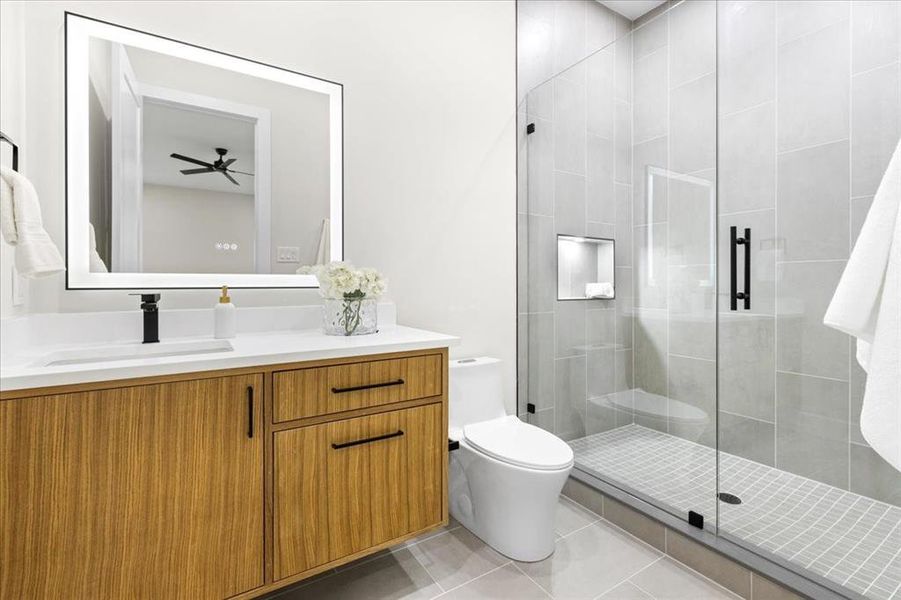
(151, 317)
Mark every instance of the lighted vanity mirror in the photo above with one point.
(585, 268)
(187, 167)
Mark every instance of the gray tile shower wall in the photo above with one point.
(809, 100)
(577, 182)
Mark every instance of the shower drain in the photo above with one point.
(729, 498)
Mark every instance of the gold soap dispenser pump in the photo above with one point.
(224, 316)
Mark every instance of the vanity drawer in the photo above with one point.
(318, 391)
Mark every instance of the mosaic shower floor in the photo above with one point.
(845, 537)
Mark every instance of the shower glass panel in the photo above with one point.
(731, 151)
(809, 105)
(622, 146)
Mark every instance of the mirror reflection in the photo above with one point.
(195, 168)
(585, 268)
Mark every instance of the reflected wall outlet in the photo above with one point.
(288, 254)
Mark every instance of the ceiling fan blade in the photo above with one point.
(191, 160)
(240, 172)
(230, 178)
(196, 171)
(228, 162)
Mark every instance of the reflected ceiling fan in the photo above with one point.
(220, 165)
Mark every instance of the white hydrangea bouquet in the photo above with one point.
(351, 297)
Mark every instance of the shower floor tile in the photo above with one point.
(842, 536)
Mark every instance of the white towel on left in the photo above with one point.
(867, 305)
(36, 254)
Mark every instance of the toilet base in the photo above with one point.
(510, 508)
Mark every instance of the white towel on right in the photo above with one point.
(867, 305)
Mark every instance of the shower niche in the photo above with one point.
(585, 268)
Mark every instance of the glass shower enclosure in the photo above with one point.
(728, 153)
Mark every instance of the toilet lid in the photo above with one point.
(510, 440)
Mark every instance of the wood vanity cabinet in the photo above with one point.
(217, 485)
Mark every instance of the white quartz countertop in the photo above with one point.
(25, 370)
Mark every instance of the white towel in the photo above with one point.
(322, 253)
(602, 289)
(96, 263)
(36, 254)
(867, 305)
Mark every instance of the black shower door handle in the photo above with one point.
(734, 243)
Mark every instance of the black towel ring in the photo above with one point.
(5, 138)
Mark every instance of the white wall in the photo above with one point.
(429, 144)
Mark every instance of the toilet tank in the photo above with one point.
(476, 392)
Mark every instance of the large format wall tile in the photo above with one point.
(804, 344)
(814, 181)
(601, 372)
(569, 203)
(623, 247)
(570, 328)
(746, 52)
(813, 88)
(522, 263)
(534, 59)
(600, 79)
(600, 327)
(858, 387)
(691, 217)
(692, 125)
(875, 34)
(541, 360)
(540, 193)
(692, 40)
(747, 159)
(601, 195)
(812, 427)
(692, 311)
(650, 102)
(692, 381)
(569, 33)
(622, 57)
(623, 143)
(796, 18)
(746, 362)
(875, 126)
(650, 351)
(650, 272)
(766, 249)
(569, 126)
(649, 37)
(748, 438)
(649, 205)
(570, 397)
(872, 476)
(542, 264)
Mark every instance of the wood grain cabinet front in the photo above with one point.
(349, 485)
(303, 393)
(150, 491)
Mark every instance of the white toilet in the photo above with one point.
(506, 475)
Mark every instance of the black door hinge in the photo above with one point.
(530, 408)
(530, 128)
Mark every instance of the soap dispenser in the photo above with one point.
(225, 318)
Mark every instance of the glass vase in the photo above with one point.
(349, 316)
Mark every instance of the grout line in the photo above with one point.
(779, 371)
(748, 109)
(871, 69)
(486, 573)
(530, 578)
(779, 153)
(779, 45)
(629, 579)
(813, 260)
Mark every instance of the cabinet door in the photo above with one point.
(382, 489)
(151, 491)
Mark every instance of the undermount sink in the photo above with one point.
(132, 352)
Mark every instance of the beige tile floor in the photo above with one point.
(594, 560)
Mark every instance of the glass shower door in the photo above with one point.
(809, 115)
(622, 146)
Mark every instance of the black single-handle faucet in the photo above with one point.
(151, 317)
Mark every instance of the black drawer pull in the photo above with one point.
(250, 411)
(367, 387)
(387, 436)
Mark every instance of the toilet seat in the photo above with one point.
(511, 441)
